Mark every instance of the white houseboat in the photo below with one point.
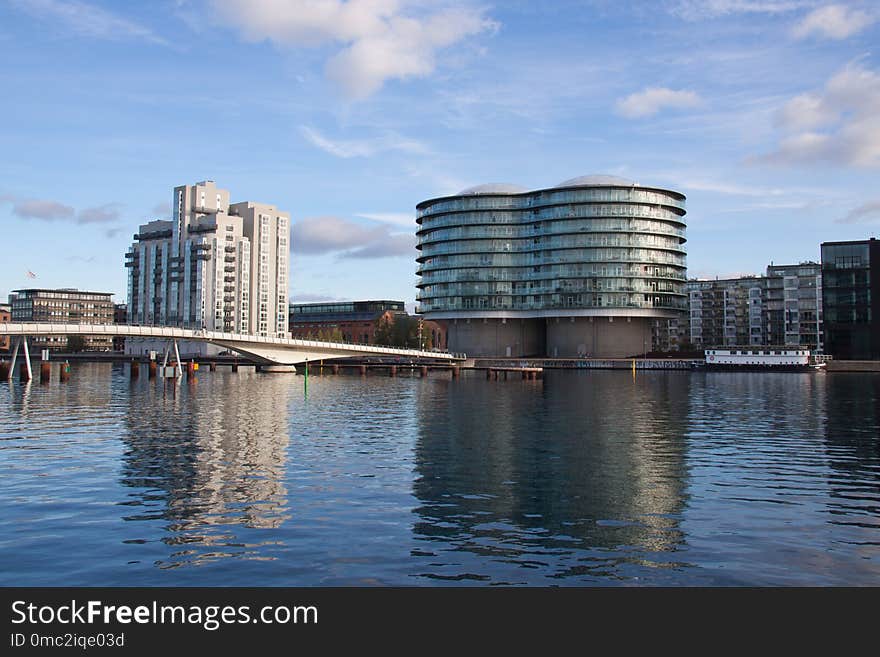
(762, 359)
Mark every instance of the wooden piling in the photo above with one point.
(456, 372)
(4, 370)
(153, 368)
(135, 369)
(363, 370)
(64, 374)
(23, 372)
(392, 371)
(336, 369)
(488, 373)
(424, 371)
(212, 366)
(45, 371)
(235, 367)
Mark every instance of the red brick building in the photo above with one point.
(5, 316)
(355, 321)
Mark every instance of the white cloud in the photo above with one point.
(100, 214)
(375, 40)
(707, 9)
(653, 99)
(397, 218)
(89, 20)
(867, 213)
(347, 148)
(840, 124)
(348, 239)
(832, 22)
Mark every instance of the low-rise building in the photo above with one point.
(5, 316)
(348, 321)
(120, 316)
(361, 322)
(64, 306)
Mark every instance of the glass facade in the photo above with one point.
(584, 247)
(850, 283)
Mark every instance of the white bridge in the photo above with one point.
(262, 350)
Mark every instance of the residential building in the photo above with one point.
(851, 299)
(793, 305)
(580, 269)
(725, 312)
(64, 306)
(215, 265)
(5, 316)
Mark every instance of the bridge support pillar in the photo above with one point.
(25, 373)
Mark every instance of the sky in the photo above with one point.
(765, 113)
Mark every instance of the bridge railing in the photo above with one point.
(173, 332)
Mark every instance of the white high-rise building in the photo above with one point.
(214, 265)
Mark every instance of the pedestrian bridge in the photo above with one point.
(263, 350)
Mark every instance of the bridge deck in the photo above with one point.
(216, 337)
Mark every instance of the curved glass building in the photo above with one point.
(580, 269)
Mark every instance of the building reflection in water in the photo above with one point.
(552, 475)
(851, 430)
(208, 459)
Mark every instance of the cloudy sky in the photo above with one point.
(766, 113)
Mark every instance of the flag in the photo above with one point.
(31, 274)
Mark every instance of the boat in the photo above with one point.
(762, 359)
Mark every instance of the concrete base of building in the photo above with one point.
(278, 369)
(553, 337)
(598, 337)
(496, 337)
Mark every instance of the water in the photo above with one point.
(584, 478)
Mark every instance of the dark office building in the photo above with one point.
(851, 299)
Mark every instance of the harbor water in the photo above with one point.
(581, 478)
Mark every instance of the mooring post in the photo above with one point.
(64, 375)
(455, 372)
(392, 371)
(153, 368)
(4, 370)
(45, 371)
(424, 371)
(363, 370)
(135, 368)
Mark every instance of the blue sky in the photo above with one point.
(347, 114)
